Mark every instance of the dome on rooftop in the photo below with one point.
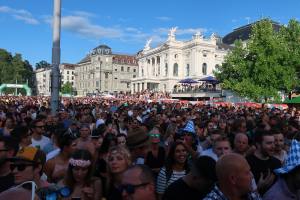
(101, 50)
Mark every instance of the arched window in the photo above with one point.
(166, 69)
(175, 69)
(187, 69)
(204, 68)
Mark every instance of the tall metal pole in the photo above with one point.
(55, 57)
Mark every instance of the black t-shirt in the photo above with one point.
(154, 162)
(179, 190)
(259, 166)
(6, 182)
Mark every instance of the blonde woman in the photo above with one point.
(118, 160)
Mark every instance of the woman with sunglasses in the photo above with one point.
(176, 166)
(79, 177)
(156, 156)
(118, 160)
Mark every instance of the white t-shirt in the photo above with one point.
(41, 144)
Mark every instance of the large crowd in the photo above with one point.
(132, 148)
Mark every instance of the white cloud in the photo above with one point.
(22, 15)
(164, 18)
(187, 31)
(81, 24)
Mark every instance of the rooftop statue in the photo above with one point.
(172, 31)
(147, 46)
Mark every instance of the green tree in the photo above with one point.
(259, 69)
(14, 68)
(67, 88)
(42, 64)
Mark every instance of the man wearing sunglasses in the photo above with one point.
(26, 168)
(38, 140)
(138, 183)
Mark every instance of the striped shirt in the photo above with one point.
(163, 183)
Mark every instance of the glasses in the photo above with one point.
(20, 167)
(130, 189)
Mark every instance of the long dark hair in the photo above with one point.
(170, 160)
(80, 154)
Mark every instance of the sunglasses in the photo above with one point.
(130, 189)
(154, 135)
(20, 167)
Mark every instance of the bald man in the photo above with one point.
(241, 144)
(234, 179)
(138, 183)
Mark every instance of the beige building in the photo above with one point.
(104, 71)
(161, 67)
(43, 78)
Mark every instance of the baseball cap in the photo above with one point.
(30, 154)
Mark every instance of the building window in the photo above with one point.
(68, 78)
(128, 69)
(175, 69)
(217, 67)
(97, 84)
(204, 55)
(116, 70)
(175, 56)
(204, 68)
(142, 71)
(128, 85)
(187, 69)
(116, 78)
(122, 69)
(73, 72)
(67, 72)
(166, 69)
(106, 75)
(134, 70)
(134, 76)
(72, 77)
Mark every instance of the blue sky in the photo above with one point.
(124, 25)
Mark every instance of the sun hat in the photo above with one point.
(137, 138)
(293, 159)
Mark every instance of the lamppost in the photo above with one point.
(55, 56)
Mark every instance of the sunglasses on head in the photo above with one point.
(129, 188)
(20, 167)
(154, 135)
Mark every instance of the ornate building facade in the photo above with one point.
(161, 68)
(104, 71)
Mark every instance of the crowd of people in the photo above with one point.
(131, 148)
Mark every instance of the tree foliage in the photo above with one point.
(66, 88)
(264, 65)
(42, 64)
(13, 68)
